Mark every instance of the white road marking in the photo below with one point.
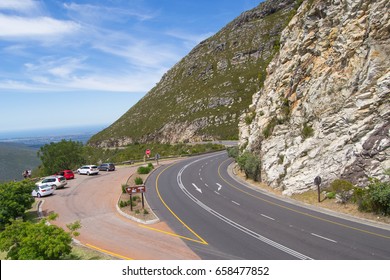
(236, 203)
(234, 224)
(196, 187)
(331, 240)
(217, 193)
(265, 216)
(219, 187)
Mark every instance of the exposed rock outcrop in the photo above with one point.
(325, 105)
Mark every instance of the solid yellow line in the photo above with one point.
(172, 234)
(297, 211)
(201, 240)
(107, 252)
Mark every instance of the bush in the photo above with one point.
(343, 190)
(250, 164)
(307, 131)
(124, 186)
(233, 152)
(143, 170)
(150, 166)
(379, 197)
(138, 181)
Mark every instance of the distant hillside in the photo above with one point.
(14, 158)
(203, 95)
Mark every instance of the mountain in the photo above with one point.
(203, 95)
(325, 105)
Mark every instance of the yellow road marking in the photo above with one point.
(296, 211)
(107, 252)
(201, 240)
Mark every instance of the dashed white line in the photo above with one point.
(331, 240)
(236, 203)
(265, 216)
(217, 193)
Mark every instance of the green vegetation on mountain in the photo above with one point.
(203, 95)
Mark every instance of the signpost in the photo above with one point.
(157, 157)
(134, 190)
(147, 152)
(317, 182)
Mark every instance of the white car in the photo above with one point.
(42, 190)
(88, 169)
(56, 181)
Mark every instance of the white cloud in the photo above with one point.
(22, 27)
(93, 13)
(21, 6)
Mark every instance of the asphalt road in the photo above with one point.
(220, 218)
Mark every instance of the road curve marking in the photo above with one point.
(201, 240)
(107, 252)
(297, 211)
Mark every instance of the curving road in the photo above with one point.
(220, 218)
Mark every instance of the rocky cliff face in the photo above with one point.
(324, 108)
(203, 95)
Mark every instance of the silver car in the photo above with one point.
(42, 190)
(56, 181)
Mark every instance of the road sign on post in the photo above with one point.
(317, 182)
(134, 190)
(147, 152)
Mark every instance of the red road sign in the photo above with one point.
(147, 152)
(136, 189)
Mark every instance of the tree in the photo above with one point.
(39, 241)
(28, 241)
(61, 155)
(15, 199)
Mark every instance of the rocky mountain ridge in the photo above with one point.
(203, 95)
(325, 105)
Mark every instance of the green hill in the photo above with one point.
(14, 158)
(203, 96)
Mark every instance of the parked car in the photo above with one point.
(42, 190)
(88, 170)
(68, 174)
(56, 181)
(106, 167)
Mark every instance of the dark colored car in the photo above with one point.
(68, 174)
(106, 167)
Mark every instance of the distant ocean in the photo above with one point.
(39, 137)
(18, 149)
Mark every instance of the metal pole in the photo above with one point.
(131, 202)
(143, 201)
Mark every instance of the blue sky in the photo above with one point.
(77, 63)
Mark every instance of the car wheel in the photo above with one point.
(88, 173)
(38, 195)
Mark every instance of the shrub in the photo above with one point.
(143, 170)
(379, 197)
(233, 152)
(343, 189)
(307, 131)
(146, 212)
(250, 164)
(269, 128)
(124, 186)
(138, 181)
(150, 166)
